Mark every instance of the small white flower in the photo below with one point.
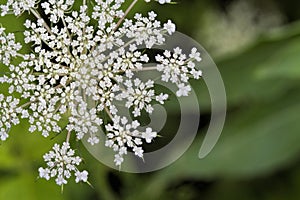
(81, 176)
(138, 151)
(161, 98)
(44, 173)
(118, 159)
(170, 27)
(195, 55)
(183, 90)
(148, 135)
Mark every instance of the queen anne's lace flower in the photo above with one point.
(84, 121)
(123, 135)
(139, 96)
(82, 64)
(56, 8)
(130, 61)
(61, 162)
(106, 11)
(9, 115)
(17, 7)
(8, 47)
(178, 69)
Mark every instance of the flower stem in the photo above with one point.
(125, 14)
(26, 104)
(68, 137)
(65, 25)
(147, 69)
(37, 15)
(108, 112)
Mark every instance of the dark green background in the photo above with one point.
(258, 154)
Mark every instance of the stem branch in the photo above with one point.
(68, 137)
(108, 112)
(125, 14)
(37, 15)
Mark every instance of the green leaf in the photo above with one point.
(285, 63)
(257, 139)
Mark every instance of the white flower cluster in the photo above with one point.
(17, 7)
(106, 11)
(61, 162)
(139, 95)
(178, 69)
(56, 9)
(8, 115)
(8, 47)
(123, 135)
(85, 122)
(77, 58)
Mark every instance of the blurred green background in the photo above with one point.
(256, 45)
